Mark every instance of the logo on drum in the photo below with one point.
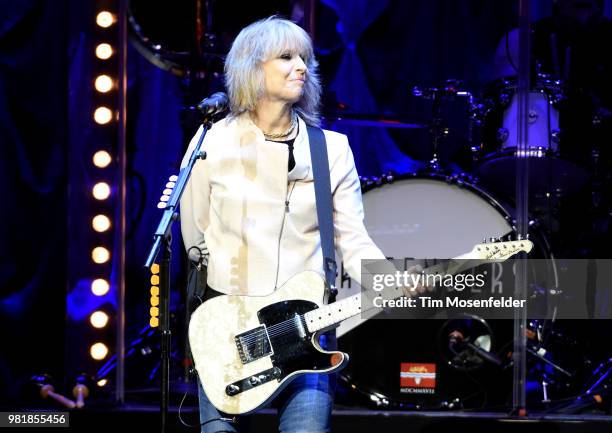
(417, 378)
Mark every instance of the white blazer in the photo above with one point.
(256, 222)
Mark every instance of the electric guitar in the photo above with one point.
(248, 348)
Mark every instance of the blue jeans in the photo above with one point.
(304, 406)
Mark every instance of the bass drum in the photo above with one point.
(405, 363)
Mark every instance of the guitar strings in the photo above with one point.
(279, 328)
(257, 337)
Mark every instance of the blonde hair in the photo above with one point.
(261, 41)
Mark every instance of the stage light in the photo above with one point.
(102, 159)
(104, 51)
(101, 382)
(101, 191)
(154, 310)
(98, 319)
(103, 115)
(98, 351)
(100, 287)
(105, 19)
(100, 255)
(100, 223)
(103, 83)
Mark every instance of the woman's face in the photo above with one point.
(284, 77)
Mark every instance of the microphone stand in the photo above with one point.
(163, 240)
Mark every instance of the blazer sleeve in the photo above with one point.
(353, 243)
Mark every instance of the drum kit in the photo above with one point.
(441, 212)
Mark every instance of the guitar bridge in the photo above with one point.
(253, 344)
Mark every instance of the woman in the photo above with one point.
(250, 206)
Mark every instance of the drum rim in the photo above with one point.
(459, 180)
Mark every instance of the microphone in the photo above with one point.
(456, 339)
(214, 104)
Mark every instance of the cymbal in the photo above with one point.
(370, 121)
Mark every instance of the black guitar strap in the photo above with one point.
(323, 198)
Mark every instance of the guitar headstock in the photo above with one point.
(501, 250)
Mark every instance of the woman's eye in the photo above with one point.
(286, 56)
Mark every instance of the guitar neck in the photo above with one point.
(330, 315)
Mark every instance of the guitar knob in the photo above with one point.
(254, 380)
(232, 389)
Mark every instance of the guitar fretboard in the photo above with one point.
(330, 315)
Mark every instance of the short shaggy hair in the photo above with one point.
(259, 42)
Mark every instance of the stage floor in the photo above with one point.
(147, 418)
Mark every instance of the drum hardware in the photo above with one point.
(466, 343)
(368, 120)
(178, 40)
(438, 131)
(550, 175)
(429, 215)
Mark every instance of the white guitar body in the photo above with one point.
(212, 335)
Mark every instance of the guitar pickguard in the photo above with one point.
(283, 336)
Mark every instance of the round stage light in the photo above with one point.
(100, 287)
(98, 351)
(98, 319)
(104, 51)
(103, 115)
(105, 19)
(102, 159)
(100, 223)
(101, 191)
(100, 255)
(103, 83)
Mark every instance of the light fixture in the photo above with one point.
(98, 319)
(103, 83)
(105, 19)
(103, 115)
(104, 51)
(100, 287)
(102, 159)
(98, 351)
(100, 223)
(101, 191)
(100, 255)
